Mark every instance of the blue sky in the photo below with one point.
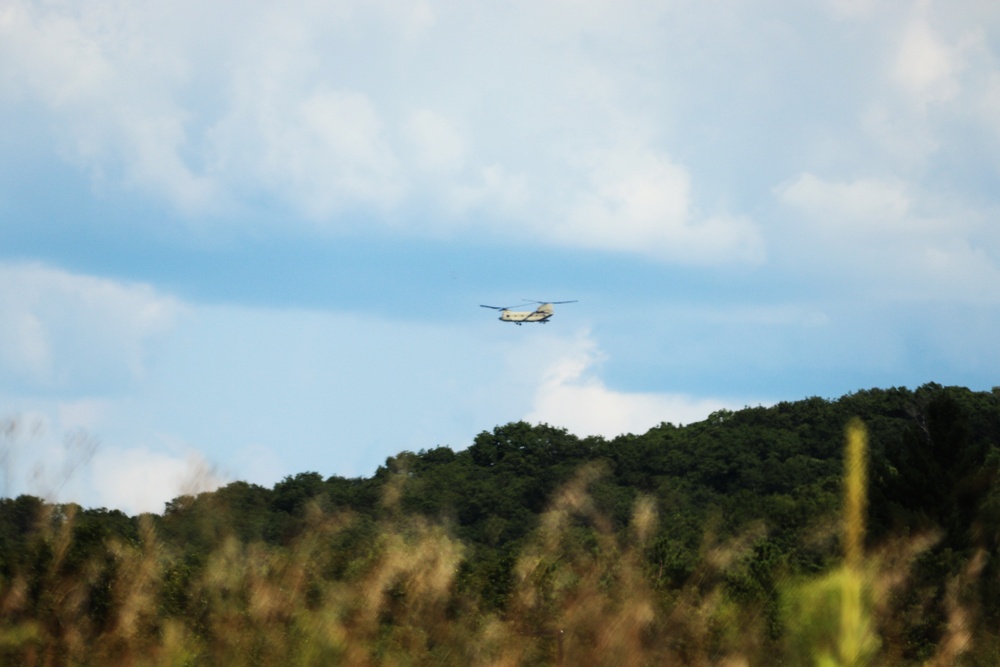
(245, 240)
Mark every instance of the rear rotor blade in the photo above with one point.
(482, 305)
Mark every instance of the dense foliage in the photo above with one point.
(713, 542)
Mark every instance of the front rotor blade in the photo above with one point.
(551, 302)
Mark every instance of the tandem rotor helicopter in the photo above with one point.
(519, 317)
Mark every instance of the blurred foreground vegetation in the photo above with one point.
(733, 541)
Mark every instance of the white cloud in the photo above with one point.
(437, 145)
(851, 9)
(884, 234)
(640, 201)
(114, 105)
(926, 66)
(188, 102)
(869, 206)
(44, 456)
(935, 88)
(49, 54)
(364, 106)
(64, 330)
(990, 103)
(143, 480)
(334, 149)
(494, 189)
(155, 143)
(55, 451)
(598, 125)
(87, 414)
(904, 137)
(571, 396)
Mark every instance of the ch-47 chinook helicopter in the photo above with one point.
(519, 317)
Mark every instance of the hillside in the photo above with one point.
(719, 540)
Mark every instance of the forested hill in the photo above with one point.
(743, 504)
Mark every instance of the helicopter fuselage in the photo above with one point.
(519, 317)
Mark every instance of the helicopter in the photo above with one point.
(519, 317)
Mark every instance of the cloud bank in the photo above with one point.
(355, 111)
(71, 331)
(571, 395)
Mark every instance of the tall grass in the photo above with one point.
(584, 594)
(830, 618)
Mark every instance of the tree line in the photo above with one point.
(694, 544)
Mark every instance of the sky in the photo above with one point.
(244, 240)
